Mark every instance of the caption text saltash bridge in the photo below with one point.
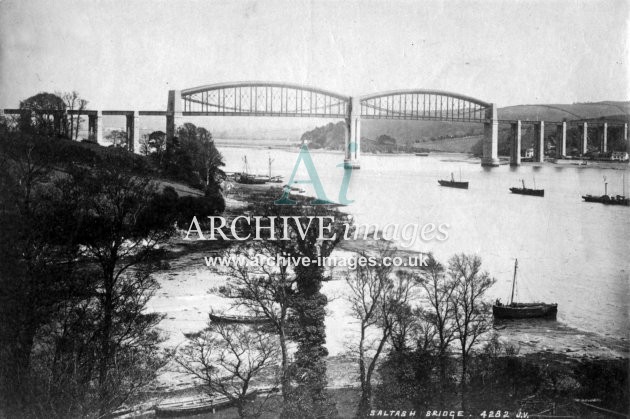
(292, 100)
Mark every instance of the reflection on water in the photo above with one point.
(569, 252)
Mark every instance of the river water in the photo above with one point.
(570, 252)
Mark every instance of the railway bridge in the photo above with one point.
(274, 99)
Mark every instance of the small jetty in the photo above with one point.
(527, 191)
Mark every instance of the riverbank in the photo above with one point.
(532, 383)
(185, 298)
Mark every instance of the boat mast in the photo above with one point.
(514, 281)
(245, 164)
(605, 186)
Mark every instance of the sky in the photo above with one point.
(128, 54)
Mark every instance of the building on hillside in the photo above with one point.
(619, 156)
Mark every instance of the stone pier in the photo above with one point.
(491, 138)
(584, 147)
(539, 141)
(59, 119)
(353, 135)
(173, 113)
(561, 140)
(515, 146)
(133, 132)
(95, 126)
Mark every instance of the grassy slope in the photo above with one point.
(617, 111)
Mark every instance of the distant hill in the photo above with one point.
(618, 111)
(464, 137)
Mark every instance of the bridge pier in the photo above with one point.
(584, 147)
(604, 138)
(515, 147)
(539, 141)
(133, 132)
(59, 117)
(173, 113)
(353, 135)
(491, 138)
(95, 126)
(561, 140)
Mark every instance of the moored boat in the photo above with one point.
(608, 199)
(453, 183)
(193, 407)
(294, 189)
(527, 191)
(248, 179)
(524, 310)
(238, 319)
(515, 310)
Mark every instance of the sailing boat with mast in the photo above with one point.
(246, 178)
(515, 310)
(272, 179)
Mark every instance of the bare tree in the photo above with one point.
(376, 297)
(74, 102)
(470, 312)
(263, 290)
(425, 329)
(438, 288)
(228, 358)
(123, 230)
(145, 146)
(118, 138)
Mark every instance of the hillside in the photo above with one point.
(618, 111)
(463, 137)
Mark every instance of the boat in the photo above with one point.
(270, 178)
(223, 318)
(515, 310)
(527, 191)
(193, 407)
(247, 179)
(201, 405)
(294, 189)
(608, 199)
(454, 183)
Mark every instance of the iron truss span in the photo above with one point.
(264, 99)
(424, 105)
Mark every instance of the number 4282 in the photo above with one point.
(501, 414)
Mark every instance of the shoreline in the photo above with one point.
(469, 157)
(185, 300)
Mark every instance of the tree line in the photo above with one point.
(290, 309)
(82, 230)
